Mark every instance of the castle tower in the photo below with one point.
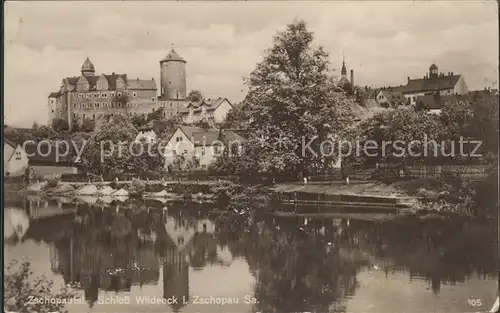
(88, 68)
(433, 71)
(173, 76)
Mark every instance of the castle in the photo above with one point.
(91, 96)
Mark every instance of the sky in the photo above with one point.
(383, 42)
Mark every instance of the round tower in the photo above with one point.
(88, 68)
(173, 76)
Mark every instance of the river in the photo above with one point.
(180, 257)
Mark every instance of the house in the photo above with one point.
(206, 109)
(46, 162)
(435, 102)
(432, 82)
(204, 144)
(388, 98)
(15, 160)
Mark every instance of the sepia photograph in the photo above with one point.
(251, 156)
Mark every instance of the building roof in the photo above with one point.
(211, 104)
(141, 84)
(173, 56)
(200, 136)
(54, 94)
(88, 66)
(435, 102)
(132, 84)
(43, 155)
(10, 142)
(433, 66)
(393, 96)
(431, 84)
(229, 136)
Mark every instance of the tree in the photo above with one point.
(88, 125)
(291, 100)
(139, 120)
(111, 149)
(21, 287)
(195, 96)
(59, 125)
(237, 118)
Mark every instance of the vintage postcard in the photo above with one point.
(251, 156)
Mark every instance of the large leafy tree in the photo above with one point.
(110, 149)
(291, 100)
(195, 95)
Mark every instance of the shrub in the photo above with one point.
(20, 288)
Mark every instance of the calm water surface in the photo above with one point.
(136, 257)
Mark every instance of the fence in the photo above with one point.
(388, 171)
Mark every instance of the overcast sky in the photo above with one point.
(384, 42)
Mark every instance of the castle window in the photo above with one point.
(128, 93)
(134, 94)
(153, 99)
(52, 111)
(96, 95)
(112, 93)
(93, 116)
(119, 94)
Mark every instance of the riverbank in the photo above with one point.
(358, 197)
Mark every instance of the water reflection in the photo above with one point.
(297, 264)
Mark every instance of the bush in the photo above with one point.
(20, 288)
(52, 183)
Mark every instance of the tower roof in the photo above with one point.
(433, 66)
(88, 66)
(173, 56)
(344, 70)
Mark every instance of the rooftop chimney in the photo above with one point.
(352, 78)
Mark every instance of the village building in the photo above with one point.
(210, 110)
(41, 160)
(387, 98)
(15, 160)
(434, 103)
(204, 144)
(433, 83)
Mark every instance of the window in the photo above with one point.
(83, 116)
(202, 150)
(178, 139)
(74, 115)
(89, 96)
(18, 155)
(134, 94)
(119, 94)
(185, 151)
(96, 95)
(52, 111)
(153, 109)
(112, 94)
(153, 99)
(128, 93)
(93, 116)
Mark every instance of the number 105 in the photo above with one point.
(475, 302)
